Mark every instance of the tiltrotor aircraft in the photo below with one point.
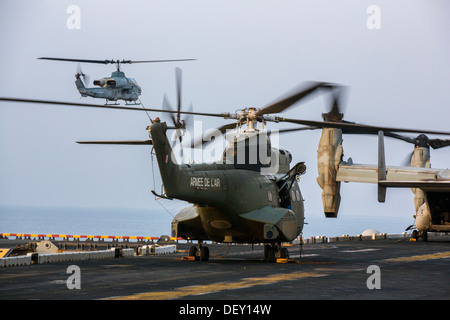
(252, 194)
(114, 88)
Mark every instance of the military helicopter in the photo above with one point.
(250, 195)
(114, 88)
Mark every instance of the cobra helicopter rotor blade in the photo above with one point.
(79, 60)
(88, 105)
(151, 61)
(112, 61)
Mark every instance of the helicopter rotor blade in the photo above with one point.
(83, 75)
(79, 60)
(206, 139)
(364, 129)
(167, 106)
(439, 143)
(124, 142)
(419, 141)
(294, 129)
(88, 105)
(297, 95)
(112, 61)
(152, 61)
(178, 76)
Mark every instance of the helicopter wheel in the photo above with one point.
(284, 253)
(204, 254)
(266, 250)
(424, 236)
(193, 251)
(270, 252)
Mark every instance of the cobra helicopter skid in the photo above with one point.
(107, 103)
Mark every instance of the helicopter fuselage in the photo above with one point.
(116, 87)
(229, 204)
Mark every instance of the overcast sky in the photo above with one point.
(248, 54)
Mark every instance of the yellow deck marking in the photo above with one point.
(219, 286)
(439, 255)
(3, 252)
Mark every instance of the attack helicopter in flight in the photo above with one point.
(252, 193)
(114, 88)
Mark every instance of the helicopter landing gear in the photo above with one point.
(201, 253)
(132, 104)
(111, 104)
(419, 234)
(272, 252)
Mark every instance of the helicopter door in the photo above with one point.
(285, 199)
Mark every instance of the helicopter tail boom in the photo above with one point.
(167, 164)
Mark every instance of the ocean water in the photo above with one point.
(85, 221)
(156, 222)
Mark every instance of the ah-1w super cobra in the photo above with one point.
(114, 88)
(252, 194)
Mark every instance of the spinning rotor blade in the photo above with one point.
(201, 141)
(295, 129)
(297, 96)
(111, 61)
(177, 121)
(357, 128)
(79, 60)
(167, 106)
(178, 75)
(151, 61)
(125, 142)
(87, 105)
(85, 76)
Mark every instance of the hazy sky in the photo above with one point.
(248, 54)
